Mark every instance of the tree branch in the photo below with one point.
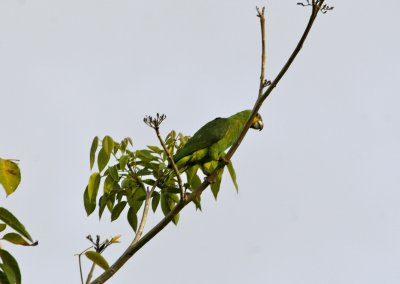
(314, 12)
(90, 275)
(155, 124)
(144, 215)
(172, 163)
(261, 15)
(134, 247)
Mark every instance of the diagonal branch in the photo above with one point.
(274, 83)
(134, 247)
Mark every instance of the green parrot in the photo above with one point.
(209, 143)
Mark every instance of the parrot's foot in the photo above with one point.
(224, 161)
(211, 178)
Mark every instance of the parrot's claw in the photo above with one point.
(211, 178)
(224, 161)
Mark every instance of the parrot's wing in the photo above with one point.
(209, 134)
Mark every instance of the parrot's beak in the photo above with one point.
(257, 123)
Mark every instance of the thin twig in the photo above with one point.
(146, 208)
(144, 215)
(172, 163)
(155, 122)
(260, 101)
(261, 15)
(80, 262)
(133, 248)
(90, 275)
(80, 267)
(314, 13)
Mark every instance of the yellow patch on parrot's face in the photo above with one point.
(257, 122)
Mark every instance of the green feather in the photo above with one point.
(210, 141)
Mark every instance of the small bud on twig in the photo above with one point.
(154, 122)
(267, 83)
(322, 7)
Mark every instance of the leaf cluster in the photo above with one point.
(9, 269)
(128, 177)
(10, 178)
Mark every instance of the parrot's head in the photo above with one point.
(257, 122)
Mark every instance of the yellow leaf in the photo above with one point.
(97, 259)
(10, 175)
(16, 239)
(115, 239)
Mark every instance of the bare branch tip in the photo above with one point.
(154, 122)
(260, 12)
(317, 4)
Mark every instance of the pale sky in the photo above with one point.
(319, 187)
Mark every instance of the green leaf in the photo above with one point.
(168, 202)
(145, 171)
(10, 175)
(8, 218)
(164, 204)
(108, 145)
(102, 159)
(233, 175)
(98, 259)
(2, 227)
(132, 218)
(123, 161)
(155, 201)
(117, 210)
(10, 267)
(136, 205)
(113, 171)
(136, 198)
(102, 204)
(16, 239)
(191, 173)
(116, 148)
(108, 184)
(93, 185)
(155, 149)
(175, 220)
(110, 203)
(149, 181)
(171, 137)
(10, 275)
(195, 182)
(93, 149)
(171, 189)
(145, 155)
(3, 277)
(216, 185)
(197, 202)
(88, 203)
(124, 144)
